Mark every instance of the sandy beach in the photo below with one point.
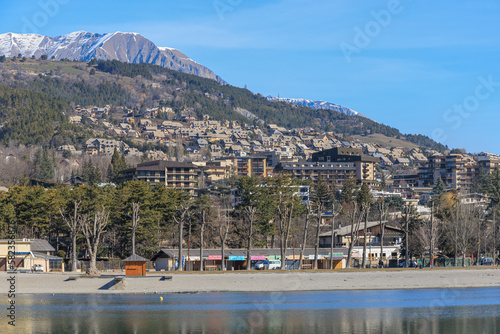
(47, 283)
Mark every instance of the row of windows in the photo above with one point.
(320, 165)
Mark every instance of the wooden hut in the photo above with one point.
(135, 265)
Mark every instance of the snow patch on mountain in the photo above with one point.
(84, 46)
(317, 105)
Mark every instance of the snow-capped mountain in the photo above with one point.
(83, 46)
(317, 105)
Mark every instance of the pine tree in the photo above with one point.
(364, 198)
(91, 174)
(348, 190)
(116, 165)
(437, 191)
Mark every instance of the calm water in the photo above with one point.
(395, 311)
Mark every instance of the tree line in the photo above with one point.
(91, 221)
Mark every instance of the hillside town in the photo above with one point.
(203, 154)
(227, 148)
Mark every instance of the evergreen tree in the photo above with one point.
(90, 173)
(437, 191)
(348, 193)
(43, 165)
(364, 198)
(116, 165)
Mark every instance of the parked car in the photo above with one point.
(411, 264)
(268, 264)
(38, 267)
(486, 261)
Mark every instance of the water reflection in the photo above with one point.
(395, 311)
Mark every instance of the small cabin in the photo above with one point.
(135, 265)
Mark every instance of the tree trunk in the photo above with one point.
(73, 227)
(382, 231)
(283, 245)
(222, 258)
(304, 239)
(179, 260)
(92, 269)
(365, 230)
(354, 231)
(202, 228)
(135, 221)
(285, 223)
(133, 242)
(316, 242)
(333, 239)
(250, 212)
(431, 246)
(223, 230)
(349, 255)
(188, 257)
(455, 256)
(249, 257)
(92, 232)
(479, 242)
(74, 266)
(406, 237)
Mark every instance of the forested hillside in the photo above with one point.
(141, 86)
(29, 117)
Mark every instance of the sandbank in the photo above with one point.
(61, 283)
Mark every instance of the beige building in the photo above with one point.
(334, 165)
(457, 171)
(29, 254)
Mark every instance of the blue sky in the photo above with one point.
(429, 67)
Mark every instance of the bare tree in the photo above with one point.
(304, 238)
(203, 214)
(74, 226)
(332, 243)
(93, 230)
(466, 225)
(406, 228)
(355, 217)
(285, 221)
(318, 230)
(135, 220)
(382, 210)
(224, 222)
(251, 215)
(432, 238)
(180, 219)
(424, 237)
(365, 231)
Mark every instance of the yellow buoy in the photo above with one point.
(161, 298)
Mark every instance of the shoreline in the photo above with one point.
(255, 281)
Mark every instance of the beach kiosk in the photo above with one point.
(135, 265)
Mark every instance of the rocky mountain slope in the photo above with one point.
(84, 46)
(317, 105)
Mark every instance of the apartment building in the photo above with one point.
(456, 170)
(334, 165)
(255, 165)
(173, 174)
(487, 162)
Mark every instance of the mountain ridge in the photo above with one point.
(127, 47)
(317, 105)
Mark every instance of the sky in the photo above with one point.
(428, 67)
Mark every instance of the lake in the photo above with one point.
(374, 311)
